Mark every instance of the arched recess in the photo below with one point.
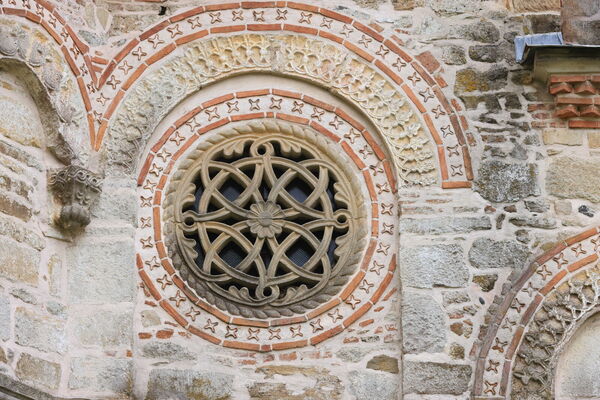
(578, 368)
(32, 55)
(219, 110)
(536, 315)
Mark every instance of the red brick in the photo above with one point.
(327, 334)
(369, 31)
(331, 36)
(203, 335)
(292, 118)
(186, 14)
(395, 77)
(223, 6)
(251, 93)
(582, 236)
(138, 72)
(584, 124)
(258, 4)
(227, 29)
(396, 49)
(125, 50)
(158, 27)
(286, 93)
(357, 50)
(164, 333)
(173, 313)
(144, 335)
(302, 6)
(191, 37)
(411, 95)
(150, 285)
(161, 53)
(337, 16)
(263, 27)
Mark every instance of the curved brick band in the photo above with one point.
(366, 287)
(511, 315)
(103, 83)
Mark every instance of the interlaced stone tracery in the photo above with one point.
(265, 224)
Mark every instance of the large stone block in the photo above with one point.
(441, 225)
(186, 384)
(101, 375)
(166, 350)
(43, 332)
(581, 21)
(20, 232)
(18, 262)
(423, 324)
(535, 5)
(103, 328)
(38, 372)
(296, 382)
(488, 253)
(471, 80)
(502, 182)
(574, 178)
(11, 205)
(4, 318)
(117, 201)
(367, 385)
(432, 266)
(436, 378)
(102, 270)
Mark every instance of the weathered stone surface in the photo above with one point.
(384, 363)
(93, 277)
(103, 328)
(491, 53)
(456, 351)
(166, 350)
(481, 31)
(423, 324)
(485, 282)
(562, 136)
(471, 80)
(38, 372)
(433, 266)
(149, 318)
(101, 374)
(574, 178)
(18, 262)
(435, 226)
(15, 207)
(541, 222)
(352, 354)
(295, 383)
(21, 233)
(24, 296)
(43, 332)
(502, 182)
(537, 206)
(489, 253)
(366, 385)
(581, 21)
(542, 23)
(435, 378)
(20, 120)
(54, 274)
(3, 358)
(535, 5)
(117, 201)
(4, 318)
(454, 55)
(187, 384)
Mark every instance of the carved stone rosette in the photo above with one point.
(76, 188)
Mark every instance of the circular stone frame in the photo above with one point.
(367, 289)
(297, 299)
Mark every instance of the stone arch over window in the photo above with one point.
(535, 317)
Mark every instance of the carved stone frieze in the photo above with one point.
(293, 55)
(76, 189)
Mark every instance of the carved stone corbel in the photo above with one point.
(76, 189)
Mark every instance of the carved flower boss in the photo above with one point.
(265, 224)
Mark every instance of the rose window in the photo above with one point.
(265, 224)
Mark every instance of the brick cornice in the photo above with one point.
(577, 99)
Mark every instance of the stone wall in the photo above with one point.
(490, 189)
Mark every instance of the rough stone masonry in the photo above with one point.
(352, 199)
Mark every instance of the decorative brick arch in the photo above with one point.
(238, 110)
(537, 313)
(105, 83)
